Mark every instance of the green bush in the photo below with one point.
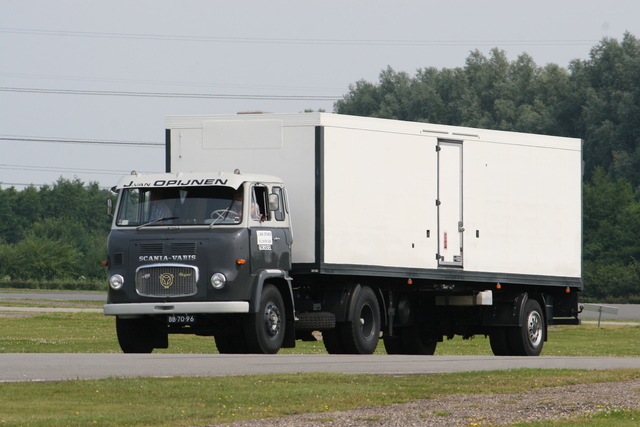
(66, 285)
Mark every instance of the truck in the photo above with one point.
(274, 228)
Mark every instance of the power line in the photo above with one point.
(172, 95)
(167, 83)
(22, 138)
(265, 40)
(57, 169)
(24, 184)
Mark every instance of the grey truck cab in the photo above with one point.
(201, 253)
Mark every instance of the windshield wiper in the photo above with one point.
(168, 218)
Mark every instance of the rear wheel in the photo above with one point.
(418, 340)
(333, 341)
(412, 340)
(393, 345)
(528, 339)
(264, 330)
(361, 334)
(499, 341)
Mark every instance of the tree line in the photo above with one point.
(59, 231)
(597, 100)
(54, 233)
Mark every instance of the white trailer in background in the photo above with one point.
(412, 231)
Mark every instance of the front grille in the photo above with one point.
(167, 280)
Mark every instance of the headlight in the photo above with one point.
(116, 281)
(218, 280)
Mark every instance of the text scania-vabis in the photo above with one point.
(406, 232)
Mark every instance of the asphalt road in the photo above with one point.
(60, 366)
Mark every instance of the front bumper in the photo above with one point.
(214, 307)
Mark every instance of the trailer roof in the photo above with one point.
(380, 125)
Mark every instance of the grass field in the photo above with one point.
(200, 401)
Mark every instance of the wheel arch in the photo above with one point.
(281, 280)
(508, 310)
(353, 295)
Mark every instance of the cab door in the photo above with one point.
(450, 220)
(269, 233)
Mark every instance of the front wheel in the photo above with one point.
(135, 335)
(264, 330)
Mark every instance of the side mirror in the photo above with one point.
(274, 202)
(109, 207)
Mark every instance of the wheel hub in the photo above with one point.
(534, 329)
(367, 322)
(272, 320)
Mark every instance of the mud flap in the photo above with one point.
(506, 311)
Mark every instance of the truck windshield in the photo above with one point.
(180, 206)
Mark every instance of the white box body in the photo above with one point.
(405, 199)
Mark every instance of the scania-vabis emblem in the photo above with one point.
(166, 280)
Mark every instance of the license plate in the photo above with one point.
(184, 319)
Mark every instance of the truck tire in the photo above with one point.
(135, 335)
(393, 345)
(224, 344)
(332, 340)
(417, 340)
(264, 330)
(315, 321)
(360, 335)
(231, 344)
(499, 341)
(528, 339)
(411, 340)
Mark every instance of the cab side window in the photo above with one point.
(279, 213)
(259, 203)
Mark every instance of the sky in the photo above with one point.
(85, 85)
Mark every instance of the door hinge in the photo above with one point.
(438, 148)
(437, 202)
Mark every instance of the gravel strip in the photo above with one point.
(478, 410)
